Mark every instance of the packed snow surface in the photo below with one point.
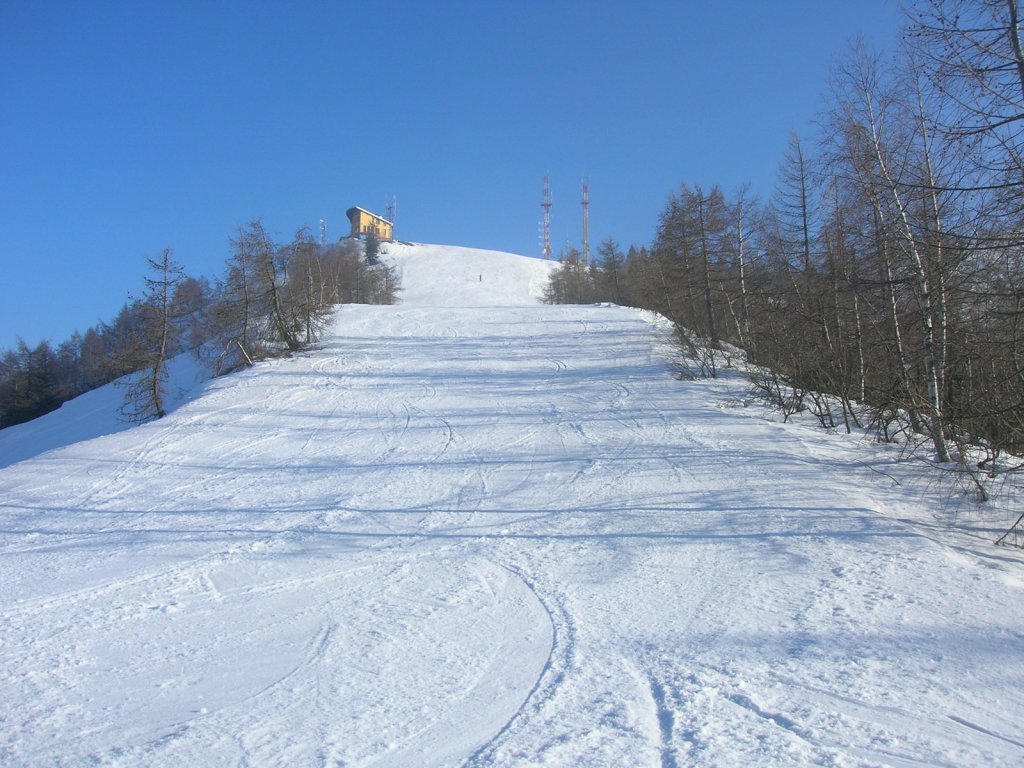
(472, 530)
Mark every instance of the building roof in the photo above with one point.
(351, 211)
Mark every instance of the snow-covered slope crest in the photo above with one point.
(453, 276)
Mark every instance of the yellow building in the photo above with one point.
(365, 223)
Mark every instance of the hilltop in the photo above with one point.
(451, 276)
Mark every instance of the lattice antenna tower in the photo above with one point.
(323, 232)
(390, 209)
(545, 203)
(586, 225)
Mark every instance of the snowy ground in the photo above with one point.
(470, 530)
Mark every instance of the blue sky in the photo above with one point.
(126, 128)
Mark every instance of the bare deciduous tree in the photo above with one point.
(144, 390)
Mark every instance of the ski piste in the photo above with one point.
(473, 530)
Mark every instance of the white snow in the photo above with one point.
(472, 530)
(438, 275)
(94, 414)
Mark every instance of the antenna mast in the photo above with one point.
(586, 225)
(323, 232)
(546, 205)
(390, 209)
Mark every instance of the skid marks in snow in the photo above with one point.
(1017, 742)
(593, 705)
(146, 449)
(705, 720)
(561, 658)
(426, 652)
(723, 705)
(153, 587)
(518, 656)
(666, 723)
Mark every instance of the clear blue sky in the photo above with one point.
(126, 128)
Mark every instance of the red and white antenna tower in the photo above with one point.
(586, 225)
(545, 203)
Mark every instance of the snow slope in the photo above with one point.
(433, 274)
(443, 275)
(94, 414)
(494, 534)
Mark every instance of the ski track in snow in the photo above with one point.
(470, 530)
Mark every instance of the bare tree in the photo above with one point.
(972, 52)
(877, 113)
(610, 266)
(144, 391)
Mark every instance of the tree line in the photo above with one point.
(886, 269)
(273, 299)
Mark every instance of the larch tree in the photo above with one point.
(144, 390)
